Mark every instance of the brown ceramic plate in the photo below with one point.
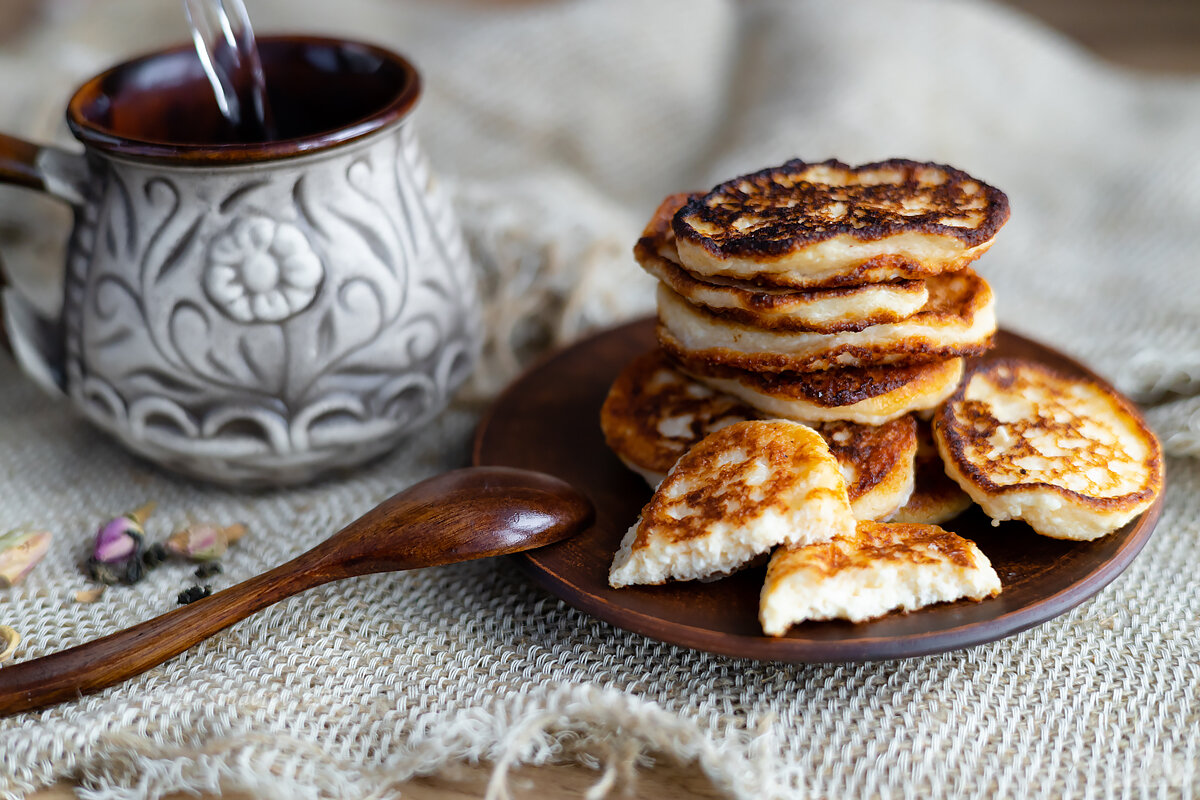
(548, 420)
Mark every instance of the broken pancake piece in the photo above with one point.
(958, 320)
(738, 493)
(935, 498)
(878, 568)
(653, 414)
(843, 308)
(1067, 455)
(803, 224)
(866, 395)
(877, 463)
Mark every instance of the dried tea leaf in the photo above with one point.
(208, 569)
(143, 512)
(192, 594)
(9, 639)
(89, 595)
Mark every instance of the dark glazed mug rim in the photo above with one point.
(95, 135)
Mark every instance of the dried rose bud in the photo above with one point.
(117, 540)
(204, 542)
(117, 555)
(20, 551)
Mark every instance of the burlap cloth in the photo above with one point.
(560, 125)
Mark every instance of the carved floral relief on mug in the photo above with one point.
(275, 314)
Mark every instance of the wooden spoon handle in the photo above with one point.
(68, 674)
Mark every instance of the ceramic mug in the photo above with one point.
(251, 312)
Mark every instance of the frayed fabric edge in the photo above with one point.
(603, 729)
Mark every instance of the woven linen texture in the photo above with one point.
(558, 127)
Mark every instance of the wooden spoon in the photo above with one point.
(458, 516)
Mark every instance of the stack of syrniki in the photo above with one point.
(820, 292)
(840, 298)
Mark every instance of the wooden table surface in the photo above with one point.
(1155, 35)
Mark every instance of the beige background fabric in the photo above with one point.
(559, 126)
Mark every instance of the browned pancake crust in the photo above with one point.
(830, 388)
(911, 353)
(636, 403)
(945, 306)
(874, 451)
(788, 448)
(888, 541)
(965, 424)
(790, 211)
(655, 251)
(763, 302)
(877, 269)
(936, 497)
(658, 232)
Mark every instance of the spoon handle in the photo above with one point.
(95, 665)
(229, 56)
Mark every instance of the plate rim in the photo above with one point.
(799, 650)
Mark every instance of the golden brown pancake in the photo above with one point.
(876, 461)
(935, 498)
(843, 308)
(866, 395)
(959, 320)
(801, 225)
(734, 496)
(654, 414)
(1067, 455)
(879, 568)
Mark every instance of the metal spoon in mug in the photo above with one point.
(229, 55)
(462, 515)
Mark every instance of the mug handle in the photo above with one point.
(34, 341)
(18, 163)
(46, 168)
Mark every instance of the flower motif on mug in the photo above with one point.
(260, 270)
